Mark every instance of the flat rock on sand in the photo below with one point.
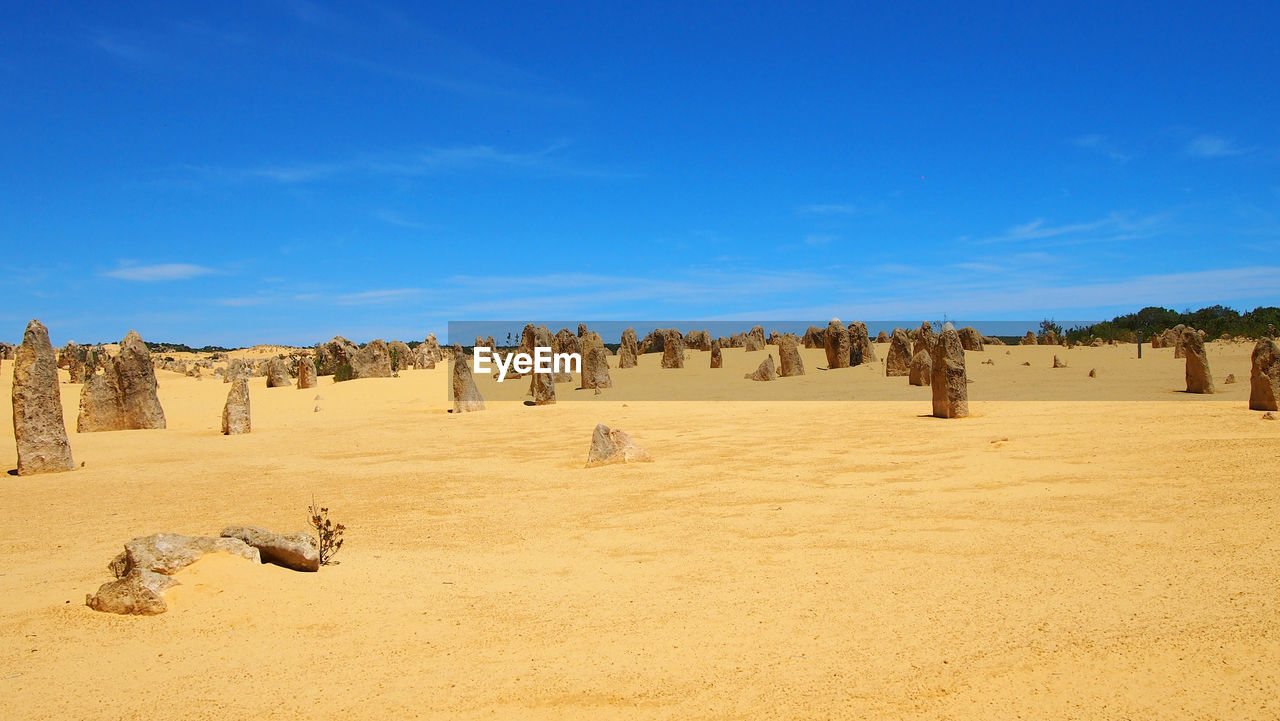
(139, 593)
(169, 552)
(612, 445)
(296, 551)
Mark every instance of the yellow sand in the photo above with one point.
(1040, 560)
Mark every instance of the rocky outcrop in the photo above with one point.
(401, 356)
(139, 593)
(136, 381)
(836, 344)
(595, 362)
(1264, 378)
(38, 426)
(923, 339)
(372, 361)
(278, 373)
(628, 349)
(332, 357)
(100, 405)
(672, 349)
(1199, 379)
(882, 337)
(1057, 363)
(466, 397)
(296, 551)
(1029, 339)
(755, 339)
(698, 340)
(950, 384)
(815, 337)
(1179, 350)
(764, 372)
(169, 553)
(970, 338)
(898, 360)
(235, 414)
(717, 358)
(789, 361)
(861, 350)
(921, 371)
(612, 445)
(306, 373)
(429, 349)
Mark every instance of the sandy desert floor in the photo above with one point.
(1091, 558)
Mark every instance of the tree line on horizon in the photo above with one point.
(1214, 320)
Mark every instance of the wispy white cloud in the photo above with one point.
(1214, 146)
(1112, 228)
(391, 217)
(370, 297)
(549, 160)
(121, 49)
(1101, 144)
(158, 272)
(828, 209)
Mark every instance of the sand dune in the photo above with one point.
(1087, 558)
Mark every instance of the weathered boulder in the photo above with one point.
(1179, 341)
(168, 553)
(1049, 337)
(1057, 363)
(698, 340)
(1030, 339)
(306, 373)
(898, 361)
(836, 343)
(401, 356)
(672, 349)
(882, 337)
(74, 358)
(923, 339)
(764, 372)
(235, 414)
(921, 371)
(278, 373)
(542, 386)
(861, 350)
(1199, 379)
(612, 445)
(466, 397)
(38, 425)
(789, 361)
(595, 362)
(236, 368)
(100, 405)
(296, 551)
(138, 593)
(815, 337)
(1264, 378)
(372, 361)
(136, 381)
(334, 357)
(755, 339)
(430, 348)
(717, 358)
(950, 385)
(628, 349)
(970, 338)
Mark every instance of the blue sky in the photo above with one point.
(237, 173)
